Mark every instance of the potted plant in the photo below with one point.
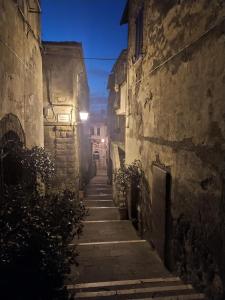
(122, 205)
(123, 177)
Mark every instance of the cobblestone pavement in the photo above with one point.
(114, 263)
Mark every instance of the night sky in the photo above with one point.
(95, 23)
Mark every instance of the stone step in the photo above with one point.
(106, 213)
(98, 197)
(122, 260)
(91, 203)
(101, 192)
(98, 191)
(150, 288)
(111, 253)
(99, 186)
(108, 231)
(99, 180)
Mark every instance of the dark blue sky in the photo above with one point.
(95, 23)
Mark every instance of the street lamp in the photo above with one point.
(83, 115)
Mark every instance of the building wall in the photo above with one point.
(99, 142)
(21, 70)
(176, 93)
(117, 86)
(117, 99)
(65, 86)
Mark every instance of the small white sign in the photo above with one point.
(64, 118)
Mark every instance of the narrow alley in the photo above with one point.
(112, 149)
(114, 263)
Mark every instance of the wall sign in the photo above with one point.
(64, 118)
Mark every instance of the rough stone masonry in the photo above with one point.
(65, 94)
(21, 101)
(176, 122)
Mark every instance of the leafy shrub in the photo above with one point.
(127, 174)
(30, 164)
(36, 231)
(38, 161)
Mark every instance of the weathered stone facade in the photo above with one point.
(66, 93)
(117, 86)
(21, 106)
(175, 122)
(99, 140)
(117, 98)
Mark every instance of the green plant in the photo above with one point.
(38, 161)
(30, 165)
(36, 233)
(124, 177)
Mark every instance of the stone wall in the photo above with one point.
(21, 69)
(60, 142)
(65, 94)
(116, 120)
(176, 121)
(99, 141)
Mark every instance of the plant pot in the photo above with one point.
(123, 213)
(81, 195)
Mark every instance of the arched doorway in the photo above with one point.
(11, 136)
(11, 170)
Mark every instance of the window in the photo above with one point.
(139, 34)
(117, 124)
(98, 131)
(92, 131)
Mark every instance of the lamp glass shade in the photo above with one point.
(83, 115)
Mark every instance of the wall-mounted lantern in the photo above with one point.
(83, 115)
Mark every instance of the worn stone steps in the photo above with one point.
(94, 192)
(148, 288)
(93, 202)
(108, 231)
(123, 260)
(114, 263)
(99, 197)
(103, 213)
(98, 190)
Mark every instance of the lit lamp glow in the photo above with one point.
(103, 140)
(83, 115)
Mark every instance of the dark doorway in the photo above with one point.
(134, 199)
(10, 167)
(161, 211)
(96, 155)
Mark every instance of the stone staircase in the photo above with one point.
(114, 263)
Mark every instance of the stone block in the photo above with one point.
(69, 141)
(63, 134)
(70, 146)
(60, 153)
(59, 141)
(69, 134)
(57, 134)
(60, 147)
